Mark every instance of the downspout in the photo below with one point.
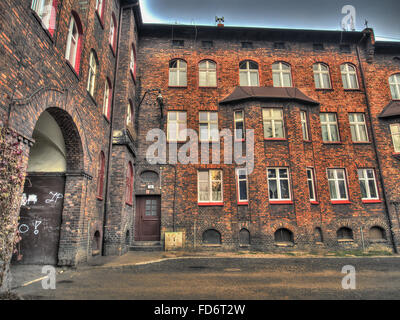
(375, 146)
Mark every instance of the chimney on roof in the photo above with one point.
(219, 21)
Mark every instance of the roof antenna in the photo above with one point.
(366, 23)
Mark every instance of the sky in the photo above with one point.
(382, 15)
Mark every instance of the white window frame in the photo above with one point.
(210, 182)
(304, 125)
(365, 180)
(247, 71)
(357, 127)
(311, 181)
(336, 183)
(239, 180)
(240, 119)
(99, 7)
(209, 68)
(112, 33)
(278, 184)
(106, 98)
(394, 83)
(72, 39)
(328, 125)
(210, 135)
(395, 132)
(179, 120)
(280, 71)
(181, 67)
(350, 70)
(92, 74)
(319, 73)
(268, 117)
(44, 10)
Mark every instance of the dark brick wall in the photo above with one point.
(35, 77)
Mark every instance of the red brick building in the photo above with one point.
(83, 82)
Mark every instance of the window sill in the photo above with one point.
(307, 141)
(314, 202)
(243, 203)
(211, 245)
(284, 244)
(91, 98)
(345, 240)
(281, 202)
(332, 143)
(72, 68)
(133, 75)
(275, 139)
(340, 202)
(201, 87)
(100, 20)
(112, 49)
(324, 89)
(372, 201)
(350, 90)
(106, 118)
(99, 198)
(239, 140)
(210, 204)
(129, 204)
(177, 87)
(361, 142)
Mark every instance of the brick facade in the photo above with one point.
(35, 77)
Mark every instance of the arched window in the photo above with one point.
(248, 73)
(93, 64)
(244, 237)
(283, 235)
(100, 8)
(132, 62)
(74, 42)
(211, 236)
(47, 12)
(96, 243)
(129, 184)
(349, 76)
(177, 73)
(377, 233)
(207, 73)
(107, 99)
(100, 176)
(113, 34)
(281, 74)
(344, 233)
(394, 82)
(321, 76)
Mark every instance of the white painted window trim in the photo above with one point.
(208, 122)
(366, 180)
(357, 124)
(178, 121)
(273, 119)
(238, 179)
(336, 180)
(278, 185)
(210, 181)
(247, 71)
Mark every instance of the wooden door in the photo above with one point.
(148, 212)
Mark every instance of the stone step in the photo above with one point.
(146, 246)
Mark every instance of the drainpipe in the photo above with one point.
(385, 198)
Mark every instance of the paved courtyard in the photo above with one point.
(224, 278)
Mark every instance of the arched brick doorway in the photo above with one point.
(52, 193)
